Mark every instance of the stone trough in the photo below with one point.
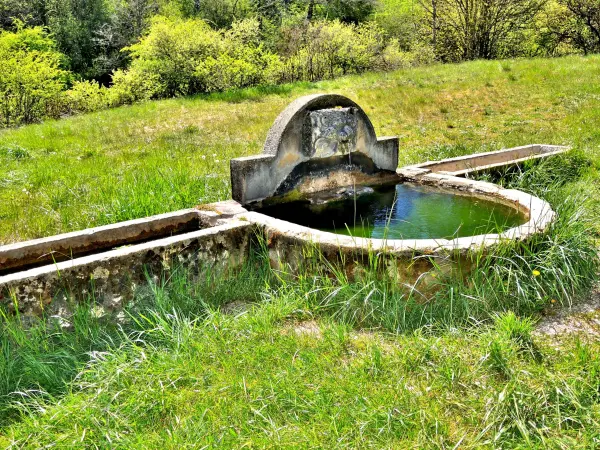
(322, 149)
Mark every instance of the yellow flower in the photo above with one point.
(553, 301)
(536, 273)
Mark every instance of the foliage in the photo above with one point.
(188, 57)
(348, 11)
(393, 57)
(463, 30)
(126, 22)
(74, 25)
(403, 20)
(218, 14)
(587, 13)
(144, 49)
(327, 49)
(133, 85)
(241, 61)
(87, 96)
(30, 75)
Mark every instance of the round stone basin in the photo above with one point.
(399, 211)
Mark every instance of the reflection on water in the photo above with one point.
(402, 211)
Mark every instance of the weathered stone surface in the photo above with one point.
(319, 143)
(479, 162)
(287, 241)
(312, 128)
(112, 277)
(333, 131)
(69, 245)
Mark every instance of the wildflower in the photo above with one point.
(553, 301)
(536, 273)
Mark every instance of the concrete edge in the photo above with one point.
(540, 216)
(126, 251)
(545, 150)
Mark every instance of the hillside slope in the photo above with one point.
(160, 156)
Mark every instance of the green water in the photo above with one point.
(402, 211)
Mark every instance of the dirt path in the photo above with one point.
(582, 317)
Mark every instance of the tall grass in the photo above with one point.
(39, 360)
(175, 370)
(523, 276)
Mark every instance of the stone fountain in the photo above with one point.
(322, 149)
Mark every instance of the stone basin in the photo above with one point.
(321, 149)
(296, 166)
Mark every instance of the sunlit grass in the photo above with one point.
(316, 357)
(159, 156)
(293, 368)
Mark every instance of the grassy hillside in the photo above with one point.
(150, 158)
(313, 359)
(277, 371)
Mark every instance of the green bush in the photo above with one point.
(133, 85)
(171, 52)
(241, 62)
(328, 49)
(184, 57)
(31, 79)
(87, 96)
(393, 57)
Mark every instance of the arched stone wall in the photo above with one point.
(327, 137)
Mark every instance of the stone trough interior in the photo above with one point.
(321, 151)
(469, 164)
(40, 252)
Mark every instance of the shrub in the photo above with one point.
(133, 85)
(87, 96)
(171, 52)
(30, 76)
(393, 57)
(184, 57)
(328, 49)
(241, 62)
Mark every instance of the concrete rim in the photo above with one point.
(539, 212)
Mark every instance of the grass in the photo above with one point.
(288, 371)
(315, 358)
(156, 157)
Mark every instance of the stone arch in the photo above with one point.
(315, 134)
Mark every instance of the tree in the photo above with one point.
(217, 13)
(587, 13)
(348, 11)
(28, 12)
(472, 29)
(128, 21)
(75, 24)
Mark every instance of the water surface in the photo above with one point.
(402, 211)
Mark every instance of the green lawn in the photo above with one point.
(312, 359)
(285, 374)
(160, 156)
